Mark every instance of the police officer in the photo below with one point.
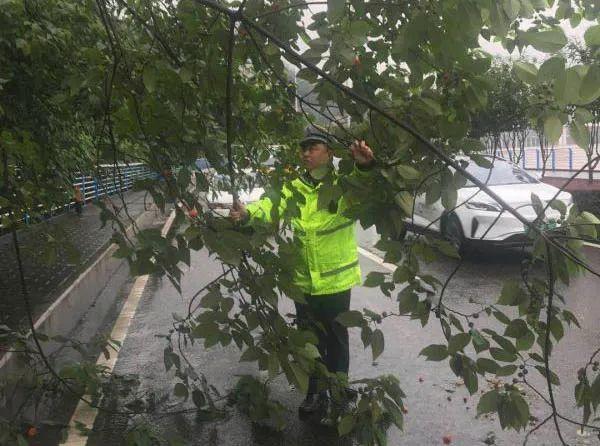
(326, 263)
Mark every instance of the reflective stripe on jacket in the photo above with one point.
(324, 248)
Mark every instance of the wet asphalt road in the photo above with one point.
(437, 403)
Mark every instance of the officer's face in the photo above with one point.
(315, 155)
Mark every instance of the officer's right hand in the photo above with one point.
(238, 212)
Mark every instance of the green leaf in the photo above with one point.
(150, 78)
(167, 358)
(433, 194)
(502, 355)
(551, 69)
(501, 317)
(458, 342)
(526, 71)
(487, 365)
(407, 172)
(21, 440)
(336, 9)
(365, 335)
(559, 206)
(516, 328)
(537, 204)
(432, 106)
(590, 85)
(506, 370)
(394, 410)
(402, 274)
(488, 402)
(446, 248)
(350, 318)
(481, 161)
(525, 342)
(198, 398)
(405, 201)
(250, 355)
(595, 392)
(449, 197)
(553, 378)
(301, 377)
(407, 300)
(547, 41)
(566, 88)
(536, 357)
(580, 134)
(185, 74)
(552, 128)
(470, 379)
(211, 299)
(592, 35)
(479, 342)
(570, 318)
(556, 328)
(346, 425)
(511, 294)
(435, 352)
(504, 343)
(374, 279)
(358, 32)
(522, 409)
(181, 391)
(588, 217)
(377, 343)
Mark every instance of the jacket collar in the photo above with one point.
(309, 180)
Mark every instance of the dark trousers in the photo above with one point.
(333, 336)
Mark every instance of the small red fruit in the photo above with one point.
(356, 61)
(31, 431)
(193, 213)
(447, 439)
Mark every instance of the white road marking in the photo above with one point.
(375, 258)
(84, 414)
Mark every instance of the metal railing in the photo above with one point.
(561, 159)
(109, 180)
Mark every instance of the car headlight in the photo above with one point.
(482, 206)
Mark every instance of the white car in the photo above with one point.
(480, 219)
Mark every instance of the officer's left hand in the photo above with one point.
(361, 153)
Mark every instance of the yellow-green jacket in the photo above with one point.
(325, 251)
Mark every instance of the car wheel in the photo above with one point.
(453, 233)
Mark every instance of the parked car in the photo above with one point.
(481, 219)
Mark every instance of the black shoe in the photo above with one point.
(312, 404)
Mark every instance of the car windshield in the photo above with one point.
(501, 173)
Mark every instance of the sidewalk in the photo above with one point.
(46, 279)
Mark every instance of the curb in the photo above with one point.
(66, 311)
(85, 415)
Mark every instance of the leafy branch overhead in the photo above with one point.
(166, 83)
